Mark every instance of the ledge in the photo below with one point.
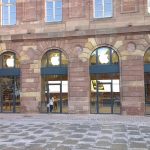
(77, 33)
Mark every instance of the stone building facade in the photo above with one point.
(77, 36)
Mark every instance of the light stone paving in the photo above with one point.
(74, 132)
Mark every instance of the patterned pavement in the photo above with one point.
(74, 132)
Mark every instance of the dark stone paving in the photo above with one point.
(74, 132)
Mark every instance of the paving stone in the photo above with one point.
(119, 141)
(38, 132)
(103, 143)
(138, 145)
(106, 138)
(136, 139)
(88, 140)
(40, 141)
(63, 148)
(52, 145)
(84, 146)
(58, 138)
(35, 147)
(106, 131)
(70, 142)
(119, 147)
(76, 136)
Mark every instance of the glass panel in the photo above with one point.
(8, 60)
(65, 95)
(54, 59)
(104, 55)
(5, 1)
(49, 5)
(55, 86)
(58, 4)
(54, 90)
(64, 60)
(115, 59)
(105, 93)
(93, 58)
(147, 93)
(9, 94)
(105, 100)
(147, 56)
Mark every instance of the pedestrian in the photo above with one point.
(51, 103)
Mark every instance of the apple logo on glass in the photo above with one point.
(55, 60)
(103, 58)
(10, 61)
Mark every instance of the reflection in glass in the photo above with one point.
(105, 93)
(147, 57)
(9, 94)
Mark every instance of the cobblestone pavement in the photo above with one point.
(74, 132)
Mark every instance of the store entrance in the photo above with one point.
(56, 88)
(105, 101)
(9, 94)
(105, 94)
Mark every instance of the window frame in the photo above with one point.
(54, 10)
(9, 5)
(148, 6)
(103, 11)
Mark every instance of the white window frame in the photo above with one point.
(148, 6)
(102, 10)
(53, 9)
(9, 12)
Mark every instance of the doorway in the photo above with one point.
(105, 94)
(55, 86)
(9, 94)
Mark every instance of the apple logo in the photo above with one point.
(55, 60)
(103, 58)
(10, 61)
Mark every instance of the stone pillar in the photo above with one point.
(132, 81)
(30, 82)
(79, 86)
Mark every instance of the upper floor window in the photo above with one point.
(148, 5)
(53, 10)
(8, 12)
(102, 8)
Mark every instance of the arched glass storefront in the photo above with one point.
(147, 81)
(9, 83)
(54, 81)
(105, 79)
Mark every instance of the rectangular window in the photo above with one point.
(53, 10)
(148, 6)
(8, 12)
(102, 8)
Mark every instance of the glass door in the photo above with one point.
(55, 86)
(105, 101)
(54, 91)
(9, 94)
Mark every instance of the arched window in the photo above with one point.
(8, 60)
(54, 74)
(147, 80)
(105, 77)
(54, 58)
(9, 83)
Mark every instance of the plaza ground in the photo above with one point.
(74, 132)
